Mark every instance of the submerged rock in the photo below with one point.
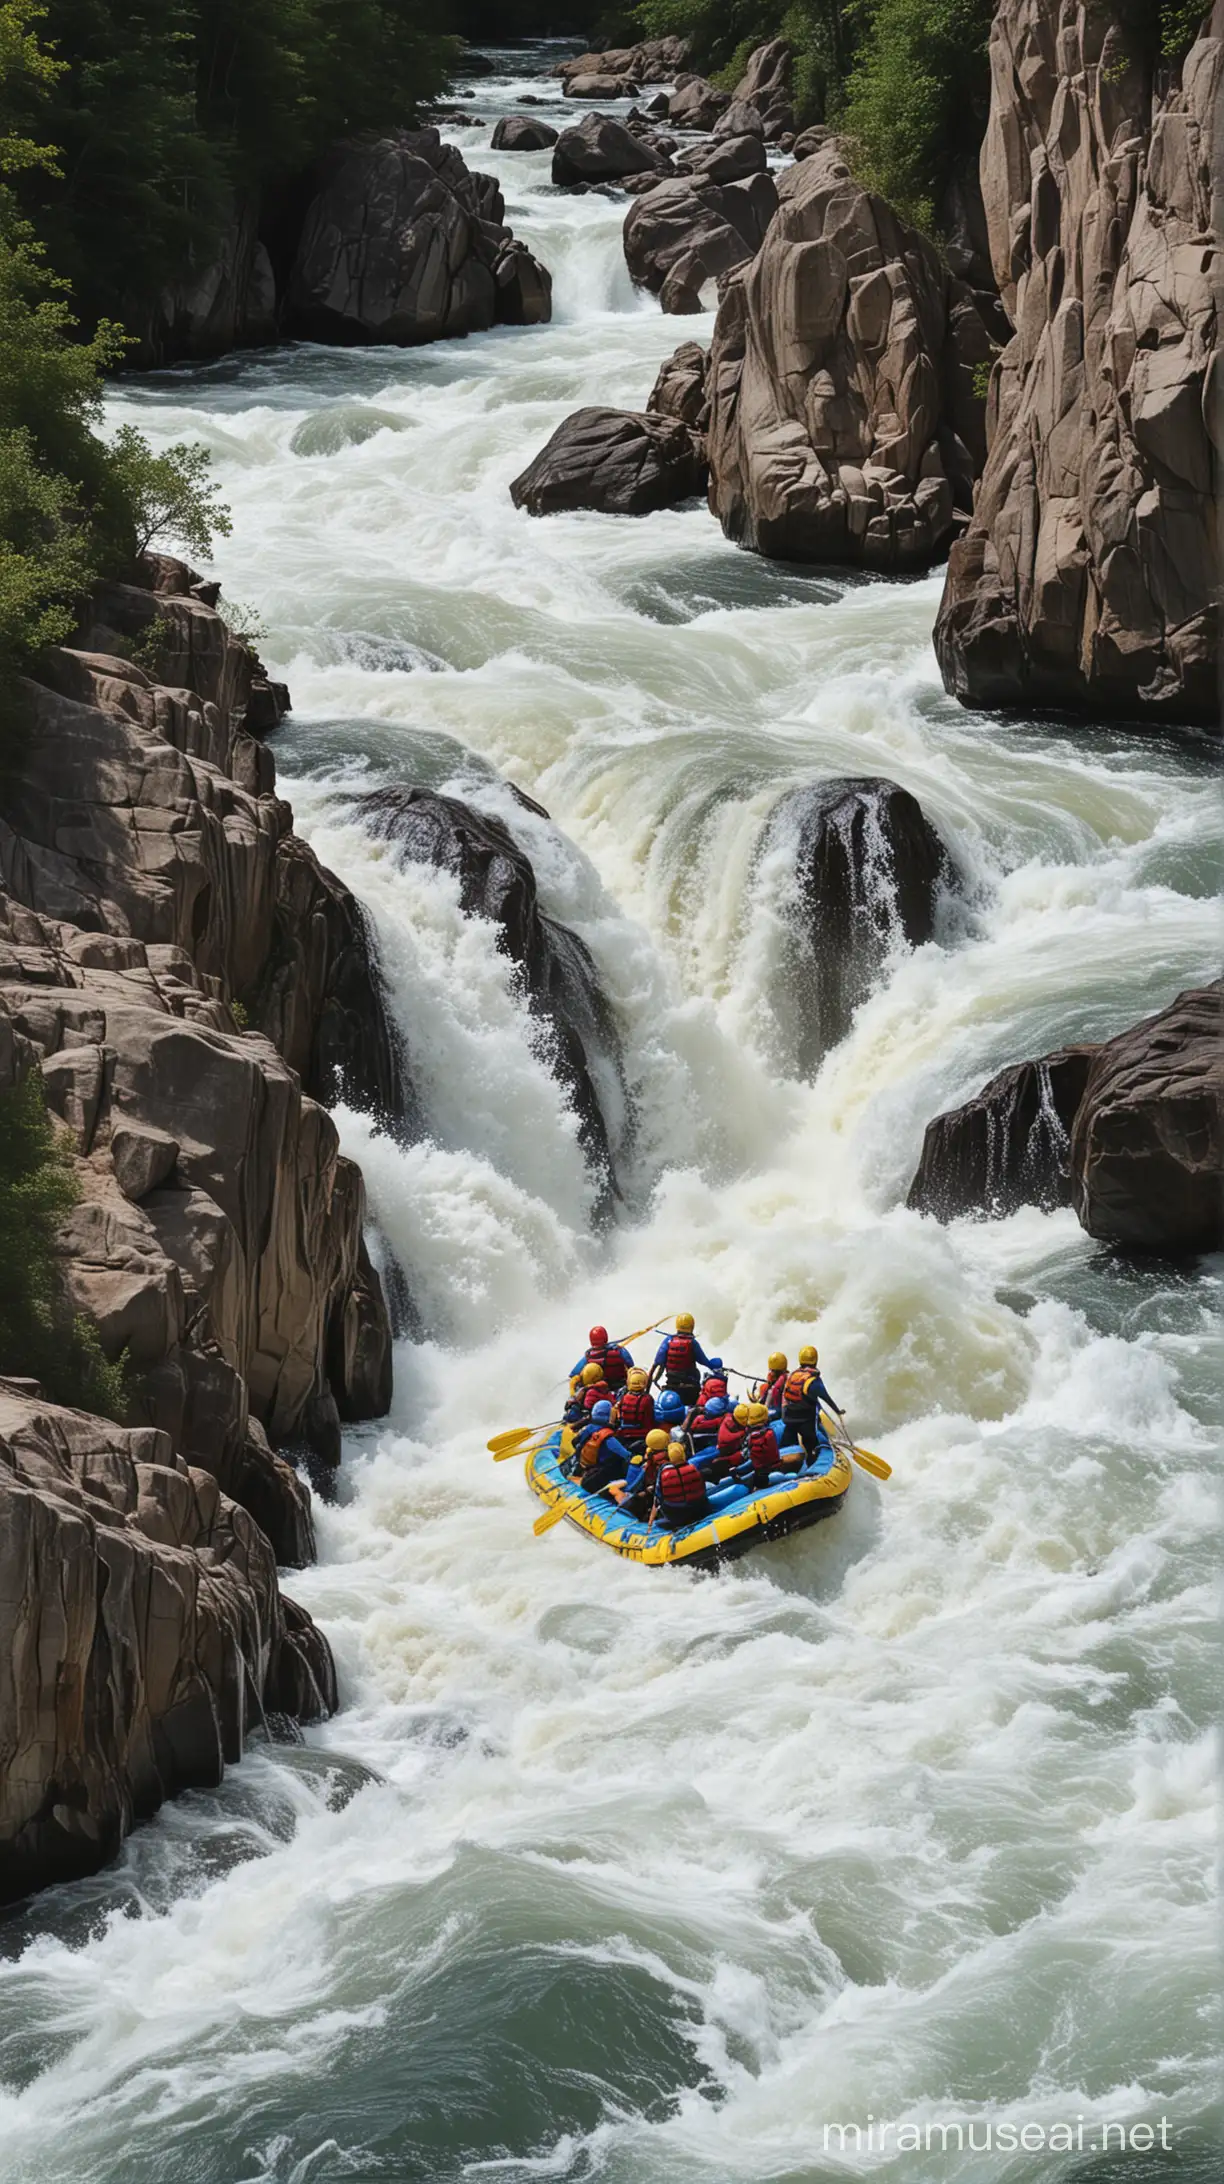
(622, 462)
(1007, 1147)
(1147, 1149)
(560, 982)
(868, 871)
(402, 243)
(1089, 577)
(845, 423)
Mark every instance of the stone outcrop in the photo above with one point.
(230, 303)
(621, 70)
(727, 158)
(687, 232)
(1131, 1133)
(601, 149)
(766, 86)
(1007, 1147)
(681, 389)
(695, 104)
(844, 423)
(1090, 576)
(868, 869)
(142, 1634)
(403, 243)
(523, 133)
(1147, 1149)
(620, 461)
(559, 979)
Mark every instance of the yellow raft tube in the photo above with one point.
(768, 1513)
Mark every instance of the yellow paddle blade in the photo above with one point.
(655, 1324)
(874, 1464)
(554, 1515)
(509, 1441)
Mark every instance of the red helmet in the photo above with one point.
(599, 1337)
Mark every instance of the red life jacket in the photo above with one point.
(681, 1486)
(797, 1402)
(730, 1437)
(774, 1388)
(681, 1358)
(589, 1452)
(762, 1449)
(600, 1393)
(610, 1362)
(712, 1387)
(637, 1409)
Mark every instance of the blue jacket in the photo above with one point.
(698, 1352)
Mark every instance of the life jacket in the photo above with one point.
(772, 1389)
(600, 1393)
(610, 1362)
(681, 1486)
(798, 1402)
(762, 1449)
(731, 1437)
(712, 1387)
(593, 1443)
(681, 1360)
(637, 1410)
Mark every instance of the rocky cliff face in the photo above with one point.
(1090, 576)
(844, 420)
(155, 908)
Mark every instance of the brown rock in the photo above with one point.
(695, 104)
(1007, 1147)
(601, 149)
(522, 133)
(844, 421)
(1147, 1149)
(766, 85)
(142, 1158)
(680, 390)
(685, 233)
(1090, 575)
(619, 461)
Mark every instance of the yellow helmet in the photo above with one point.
(591, 1375)
(741, 1413)
(684, 1323)
(637, 1378)
(777, 1361)
(655, 1440)
(757, 1414)
(808, 1354)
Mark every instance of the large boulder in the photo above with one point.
(695, 104)
(1007, 1147)
(619, 461)
(141, 1634)
(601, 149)
(681, 387)
(1147, 1148)
(845, 424)
(868, 869)
(683, 234)
(401, 243)
(523, 133)
(620, 69)
(727, 159)
(230, 303)
(1090, 575)
(766, 86)
(560, 982)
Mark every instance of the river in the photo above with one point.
(602, 1872)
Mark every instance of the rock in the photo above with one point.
(524, 287)
(523, 133)
(728, 159)
(230, 304)
(141, 1632)
(619, 461)
(1147, 1147)
(400, 244)
(740, 119)
(496, 881)
(1009, 1146)
(1090, 575)
(766, 85)
(683, 234)
(142, 1158)
(602, 150)
(695, 104)
(810, 141)
(844, 421)
(595, 85)
(868, 870)
(622, 68)
(680, 390)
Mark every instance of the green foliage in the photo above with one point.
(242, 620)
(169, 495)
(1180, 22)
(917, 98)
(725, 32)
(40, 1338)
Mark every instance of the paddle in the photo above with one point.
(554, 1515)
(508, 1444)
(862, 1456)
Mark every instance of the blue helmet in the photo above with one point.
(716, 1365)
(670, 1405)
(716, 1406)
(602, 1414)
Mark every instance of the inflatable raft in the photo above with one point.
(746, 1518)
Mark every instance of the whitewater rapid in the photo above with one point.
(603, 1872)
